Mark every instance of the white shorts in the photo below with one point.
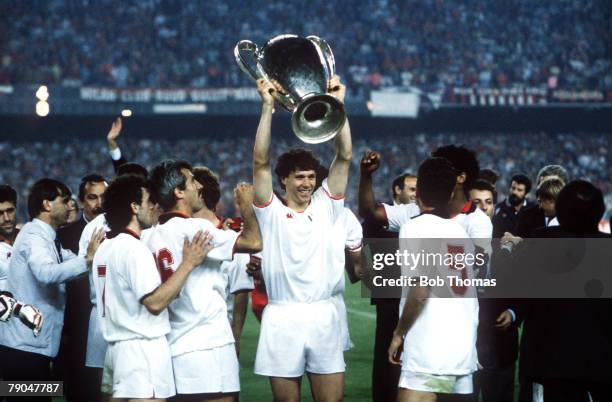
(96, 345)
(298, 337)
(208, 371)
(338, 301)
(441, 384)
(138, 368)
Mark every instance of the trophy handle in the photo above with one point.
(328, 55)
(258, 73)
(247, 46)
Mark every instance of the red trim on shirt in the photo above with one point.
(466, 207)
(284, 201)
(130, 232)
(356, 248)
(266, 204)
(221, 221)
(5, 240)
(336, 198)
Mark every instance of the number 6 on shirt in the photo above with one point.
(164, 261)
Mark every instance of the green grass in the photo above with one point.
(361, 318)
(358, 360)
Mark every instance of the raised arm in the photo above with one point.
(249, 240)
(262, 170)
(193, 255)
(113, 148)
(368, 209)
(339, 169)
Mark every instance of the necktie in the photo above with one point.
(58, 247)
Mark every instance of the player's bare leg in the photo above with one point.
(286, 389)
(218, 398)
(410, 395)
(227, 397)
(145, 400)
(327, 387)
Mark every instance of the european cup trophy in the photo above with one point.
(302, 67)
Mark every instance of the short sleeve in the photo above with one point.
(141, 273)
(334, 205)
(90, 228)
(224, 241)
(354, 231)
(264, 213)
(239, 280)
(399, 214)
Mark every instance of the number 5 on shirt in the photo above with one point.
(454, 250)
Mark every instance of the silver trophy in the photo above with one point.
(302, 67)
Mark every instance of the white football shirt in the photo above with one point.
(442, 340)
(125, 273)
(198, 316)
(299, 247)
(475, 222)
(88, 231)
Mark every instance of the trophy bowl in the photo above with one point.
(300, 68)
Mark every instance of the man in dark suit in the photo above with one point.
(78, 305)
(565, 347)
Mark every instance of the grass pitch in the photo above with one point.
(361, 317)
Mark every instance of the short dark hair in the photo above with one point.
(435, 182)
(489, 175)
(400, 181)
(522, 179)
(119, 196)
(211, 191)
(45, 189)
(485, 185)
(464, 161)
(580, 206)
(90, 178)
(165, 177)
(8, 194)
(294, 160)
(132, 168)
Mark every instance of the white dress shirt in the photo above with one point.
(36, 276)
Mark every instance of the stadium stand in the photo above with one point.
(429, 44)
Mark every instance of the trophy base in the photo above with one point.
(318, 118)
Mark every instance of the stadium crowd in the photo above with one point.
(429, 44)
(584, 155)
